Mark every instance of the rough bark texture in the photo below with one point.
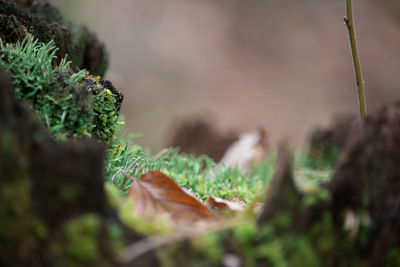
(364, 197)
(44, 22)
(282, 194)
(367, 181)
(354, 220)
(327, 143)
(54, 210)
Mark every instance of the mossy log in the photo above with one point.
(42, 20)
(54, 210)
(354, 220)
(327, 143)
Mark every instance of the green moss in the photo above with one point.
(167, 255)
(49, 89)
(69, 193)
(302, 253)
(198, 174)
(244, 235)
(393, 258)
(82, 235)
(114, 198)
(160, 224)
(209, 247)
(46, 23)
(106, 115)
(15, 199)
(312, 198)
(70, 105)
(323, 234)
(116, 237)
(322, 157)
(49, 12)
(5, 144)
(20, 228)
(282, 222)
(273, 252)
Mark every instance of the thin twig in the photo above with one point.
(305, 171)
(125, 172)
(153, 242)
(156, 157)
(161, 153)
(356, 60)
(128, 176)
(140, 168)
(132, 164)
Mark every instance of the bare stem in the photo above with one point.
(153, 242)
(356, 60)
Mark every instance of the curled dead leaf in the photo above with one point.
(155, 193)
(222, 205)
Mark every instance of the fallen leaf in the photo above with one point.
(222, 205)
(155, 193)
(250, 148)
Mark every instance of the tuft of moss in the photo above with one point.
(393, 257)
(82, 234)
(106, 106)
(322, 157)
(16, 203)
(208, 246)
(43, 21)
(197, 174)
(69, 104)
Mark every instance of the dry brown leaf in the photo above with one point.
(155, 193)
(250, 148)
(222, 205)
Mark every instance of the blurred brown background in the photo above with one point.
(278, 63)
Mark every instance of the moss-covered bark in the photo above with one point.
(53, 210)
(69, 104)
(327, 144)
(351, 221)
(45, 23)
